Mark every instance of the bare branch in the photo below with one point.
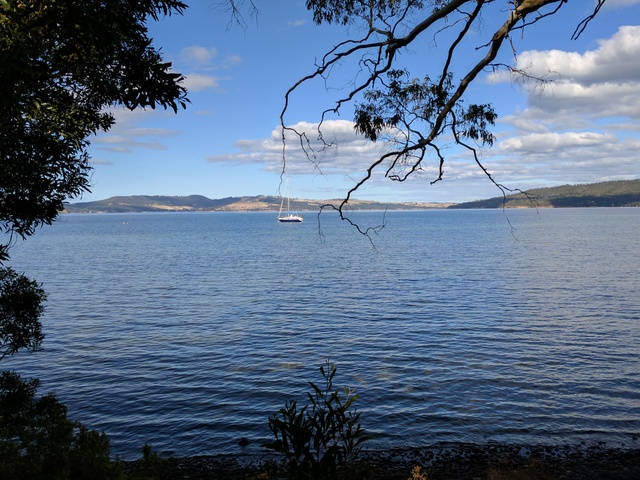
(413, 116)
(235, 8)
(583, 24)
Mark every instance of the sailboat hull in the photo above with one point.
(290, 219)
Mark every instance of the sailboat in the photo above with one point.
(290, 216)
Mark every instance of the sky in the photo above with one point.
(582, 128)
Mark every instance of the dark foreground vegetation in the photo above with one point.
(442, 462)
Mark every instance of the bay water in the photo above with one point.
(188, 330)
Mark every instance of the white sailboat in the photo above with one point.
(289, 216)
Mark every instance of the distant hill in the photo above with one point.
(199, 203)
(622, 193)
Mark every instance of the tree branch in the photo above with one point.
(413, 116)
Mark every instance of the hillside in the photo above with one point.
(622, 193)
(199, 203)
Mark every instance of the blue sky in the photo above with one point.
(584, 128)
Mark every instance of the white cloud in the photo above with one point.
(615, 61)
(582, 127)
(543, 143)
(599, 83)
(125, 136)
(571, 157)
(232, 61)
(201, 61)
(207, 58)
(596, 100)
(347, 159)
(197, 82)
(198, 56)
(340, 150)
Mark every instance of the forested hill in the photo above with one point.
(199, 203)
(622, 193)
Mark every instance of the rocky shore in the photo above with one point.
(442, 462)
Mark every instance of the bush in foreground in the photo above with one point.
(320, 440)
(38, 441)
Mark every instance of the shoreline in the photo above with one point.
(438, 462)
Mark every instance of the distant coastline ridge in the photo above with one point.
(621, 193)
(199, 203)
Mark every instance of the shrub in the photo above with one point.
(151, 466)
(321, 440)
(37, 441)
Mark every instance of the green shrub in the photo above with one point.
(321, 440)
(38, 442)
(151, 466)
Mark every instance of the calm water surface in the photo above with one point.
(186, 331)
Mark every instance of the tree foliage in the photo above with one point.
(21, 305)
(62, 65)
(38, 441)
(418, 113)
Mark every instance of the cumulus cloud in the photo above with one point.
(338, 149)
(527, 160)
(582, 127)
(542, 143)
(202, 60)
(198, 56)
(206, 58)
(566, 158)
(348, 157)
(615, 61)
(196, 82)
(601, 83)
(125, 136)
(232, 61)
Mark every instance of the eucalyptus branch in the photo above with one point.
(583, 24)
(541, 16)
(412, 114)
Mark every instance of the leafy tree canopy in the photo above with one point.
(62, 65)
(38, 441)
(21, 306)
(417, 113)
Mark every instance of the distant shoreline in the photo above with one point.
(621, 193)
(74, 211)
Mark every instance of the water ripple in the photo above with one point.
(187, 331)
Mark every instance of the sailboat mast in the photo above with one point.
(290, 217)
